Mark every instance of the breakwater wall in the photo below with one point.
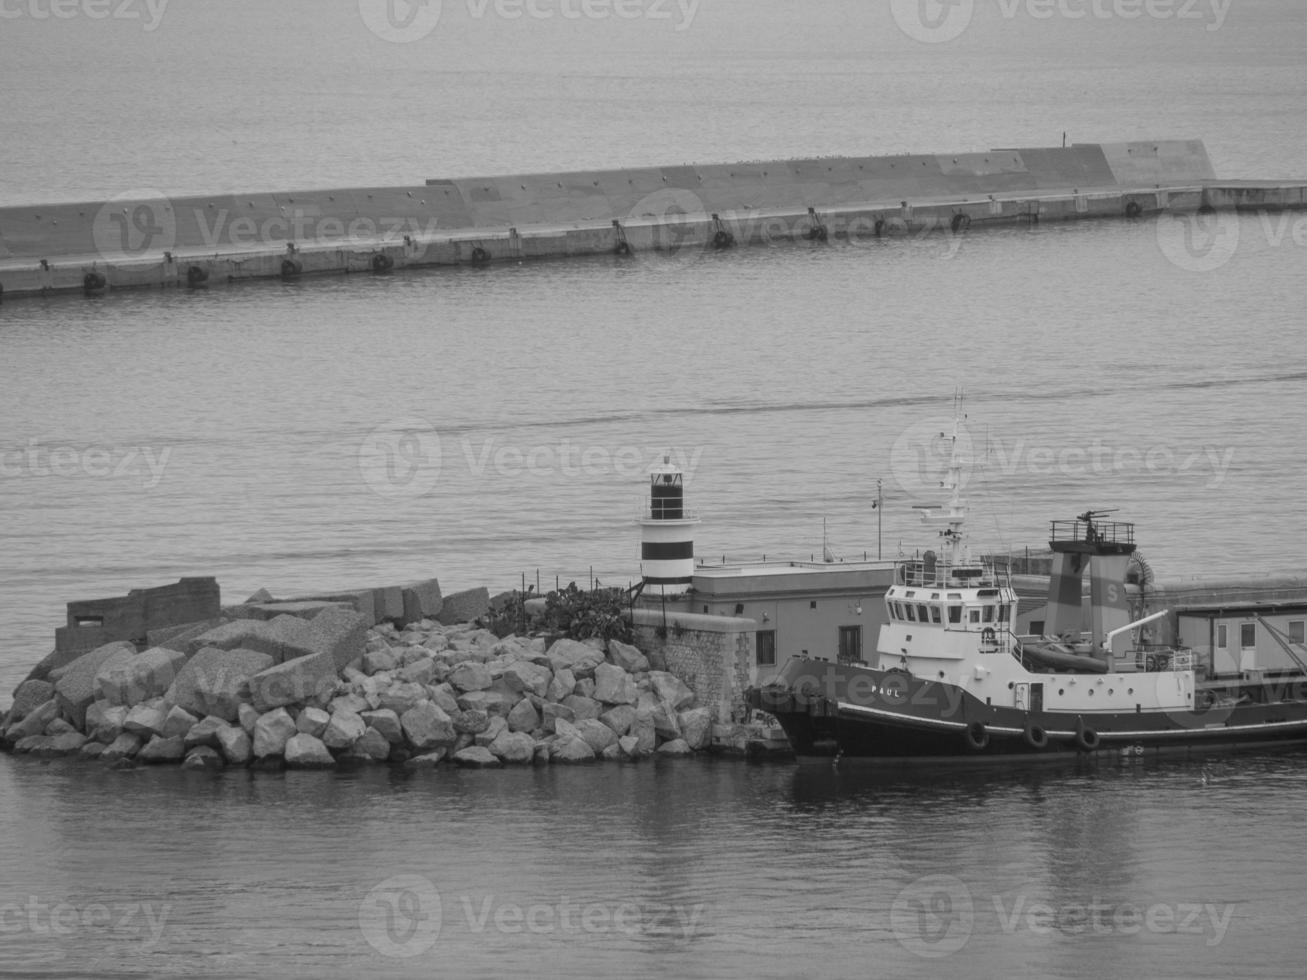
(142, 241)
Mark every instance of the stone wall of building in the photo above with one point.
(711, 654)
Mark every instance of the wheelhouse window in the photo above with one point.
(973, 615)
(911, 611)
(1004, 611)
(922, 615)
(955, 614)
(989, 614)
(1296, 633)
(1222, 637)
(934, 613)
(1247, 635)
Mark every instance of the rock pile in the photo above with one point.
(316, 684)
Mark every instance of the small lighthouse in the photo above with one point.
(666, 534)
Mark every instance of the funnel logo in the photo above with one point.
(1212, 709)
(133, 225)
(932, 21)
(671, 216)
(1198, 242)
(400, 21)
(920, 456)
(401, 916)
(933, 917)
(401, 459)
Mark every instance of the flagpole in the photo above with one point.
(880, 509)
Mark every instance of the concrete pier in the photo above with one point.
(141, 241)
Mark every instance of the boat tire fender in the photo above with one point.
(1035, 735)
(1087, 738)
(1132, 209)
(977, 735)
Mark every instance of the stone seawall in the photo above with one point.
(143, 241)
(400, 675)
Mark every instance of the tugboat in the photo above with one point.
(953, 682)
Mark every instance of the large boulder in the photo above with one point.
(301, 679)
(303, 751)
(343, 730)
(421, 671)
(283, 638)
(629, 658)
(402, 697)
(491, 702)
(386, 723)
(382, 658)
(580, 658)
(428, 727)
(305, 609)
(313, 721)
(619, 718)
(471, 676)
(570, 749)
(596, 734)
(216, 681)
(34, 722)
(525, 677)
(75, 688)
(202, 758)
(28, 696)
(472, 722)
(139, 678)
(177, 722)
(666, 721)
(613, 685)
(676, 746)
(496, 728)
(464, 607)
(513, 747)
(108, 721)
(272, 731)
(476, 757)
(205, 732)
(372, 745)
(125, 746)
(562, 684)
(696, 727)
(523, 717)
(645, 731)
(160, 749)
(388, 604)
(671, 689)
(235, 745)
(583, 707)
(146, 719)
(340, 633)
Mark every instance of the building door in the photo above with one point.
(850, 644)
(766, 646)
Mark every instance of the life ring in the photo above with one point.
(1086, 738)
(480, 256)
(960, 222)
(623, 248)
(1035, 735)
(196, 276)
(988, 636)
(723, 239)
(93, 281)
(290, 268)
(1133, 210)
(977, 735)
(381, 262)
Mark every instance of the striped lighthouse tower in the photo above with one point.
(666, 534)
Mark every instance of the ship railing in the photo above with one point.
(1093, 532)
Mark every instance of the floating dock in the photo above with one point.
(141, 240)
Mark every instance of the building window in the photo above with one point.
(989, 614)
(922, 615)
(850, 644)
(766, 648)
(1247, 635)
(973, 615)
(1222, 636)
(1037, 627)
(1296, 631)
(812, 604)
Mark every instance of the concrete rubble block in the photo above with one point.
(340, 632)
(464, 607)
(471, 676)
(476, 757)
(376, 661)
(362, 601)
(583, 707)
(125, 746)
(629, 658)
(613, 685)
(177, 722)
(373, 745)
(305, 609)
(421, 671)
(422, 600)
(619, 718)
(313, 721)
(427, 727)
(696, 727)
(302, 679)
(579, 658)
(671, 689)
(160, 750)
(514, 748)
(216, 681)
(235, 745)
(28, 696)
(525, 677)
(523, 717)
(343, 730)
(203, 758)
(205, 732)
(386, 723)
(492, 731)
(282, 638)
(75, 688)
(260, 595)
(676, 746)
(146, 719)
(34, 722)
(178, 637)
(271, 733)
(388, 605)
(304, 751)
(139, 678)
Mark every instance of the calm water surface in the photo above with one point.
(485, 425)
